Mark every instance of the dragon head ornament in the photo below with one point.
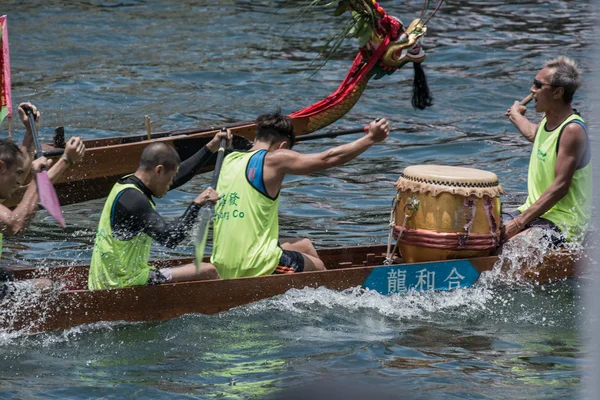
(389, 41)
(385, 46)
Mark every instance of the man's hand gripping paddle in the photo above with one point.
(208, 210)
(46, 192)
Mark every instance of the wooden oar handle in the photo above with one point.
(332, 134)
(34, 132)
(527, 99)
(220, 155)
(148, 128)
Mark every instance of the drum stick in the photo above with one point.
(523, 102)
(527, 99)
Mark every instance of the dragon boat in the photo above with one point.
(347, 267)
(386, 45)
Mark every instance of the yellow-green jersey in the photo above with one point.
(572, 213)
(246, 223)
(118, 263)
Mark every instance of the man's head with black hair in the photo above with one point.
(158, 166)
(157, 154)
(274, 127)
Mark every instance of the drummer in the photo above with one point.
(14, 164)
(559, 182)
(246, 228)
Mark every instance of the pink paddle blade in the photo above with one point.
(48, 197)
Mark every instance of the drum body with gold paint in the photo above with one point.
(445, 212)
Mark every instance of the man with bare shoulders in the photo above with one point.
(15, 163)
(559, 181)
(246, 228)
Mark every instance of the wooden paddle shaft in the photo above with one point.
(220, 156)
(331, 134)
(34, 133)
(148, 129)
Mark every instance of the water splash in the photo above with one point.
(23, 299)
(522, 250)
(413, 305)
(27, 305)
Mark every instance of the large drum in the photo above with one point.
(447, 213)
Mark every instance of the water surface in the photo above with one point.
(98, 67)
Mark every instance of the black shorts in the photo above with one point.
(551, 232)
(290, 262)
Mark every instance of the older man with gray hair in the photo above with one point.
(559, 182)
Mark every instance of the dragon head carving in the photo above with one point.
(407, 48)
(387, 44)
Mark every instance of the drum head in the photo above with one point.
(436, 179)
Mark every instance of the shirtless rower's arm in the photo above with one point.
(13, 222)
(74, 150)
(13, 173)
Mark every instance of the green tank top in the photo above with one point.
(572, 213)
(117, 263)
(246, 224)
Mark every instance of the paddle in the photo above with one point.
(46, 192)
(245, 144)
(242, 143)
(330, 134)
(207, 211)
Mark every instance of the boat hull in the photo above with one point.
(347, 268)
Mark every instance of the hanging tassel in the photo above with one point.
(421, 96)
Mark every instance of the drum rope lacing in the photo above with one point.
(488, 207)
(412, 206)
(462, 239)
(450, 182)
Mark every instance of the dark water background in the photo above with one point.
(98, 67)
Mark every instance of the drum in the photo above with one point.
(444, 212)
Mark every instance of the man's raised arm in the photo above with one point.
(291, 162)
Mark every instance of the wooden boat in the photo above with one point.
(107, 160)
(347, 268)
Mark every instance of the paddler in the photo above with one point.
(129, 221)
(15, 163)
(559, 182)
(246, 228)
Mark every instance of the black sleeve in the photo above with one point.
(133, 214)
(190, 167)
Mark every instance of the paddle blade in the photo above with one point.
(206, 215)
(48, 197)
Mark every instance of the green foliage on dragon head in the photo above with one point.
(386, 44)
